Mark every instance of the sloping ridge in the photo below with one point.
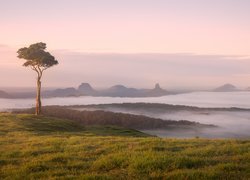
(45, 125)
(4, 94)
(226, 88)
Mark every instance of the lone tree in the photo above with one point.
(38, 60)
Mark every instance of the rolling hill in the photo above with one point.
(226, 88)
(41, 147)
(4, 94)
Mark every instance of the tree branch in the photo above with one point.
(34, 69)
(40, 71)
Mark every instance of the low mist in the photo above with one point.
(230, 124)
(214, 108)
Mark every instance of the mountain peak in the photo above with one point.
(157, 86)
(86, 88)
(226, 87)
(118, 87)
(229, 85)
(157, 91)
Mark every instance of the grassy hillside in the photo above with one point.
(42, 125)
(51, 148)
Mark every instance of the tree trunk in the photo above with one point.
(38, 96)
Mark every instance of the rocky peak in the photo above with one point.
(157, 86)
(85, 87)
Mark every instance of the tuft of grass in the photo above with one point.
(42, 147)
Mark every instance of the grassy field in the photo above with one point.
(48, 148)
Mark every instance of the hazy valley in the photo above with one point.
(229, 111)
(125, 90)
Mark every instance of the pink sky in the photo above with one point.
(204, 27)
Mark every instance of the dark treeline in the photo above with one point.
(157, 107)
(90, 118)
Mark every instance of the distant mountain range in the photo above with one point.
(85, 89)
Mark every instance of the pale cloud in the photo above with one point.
(133, 70)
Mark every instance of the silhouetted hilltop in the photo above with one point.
(120, 91)
(86, 88)
(66, 92)
(157, 91)
(226, 88)
(4, 94)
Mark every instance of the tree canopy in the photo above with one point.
(36, 57)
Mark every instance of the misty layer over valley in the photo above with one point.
(136, 89)
(239, 99)
(231, 122)
(203, 107)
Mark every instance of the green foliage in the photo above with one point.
(36, 56)
(39, 147)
